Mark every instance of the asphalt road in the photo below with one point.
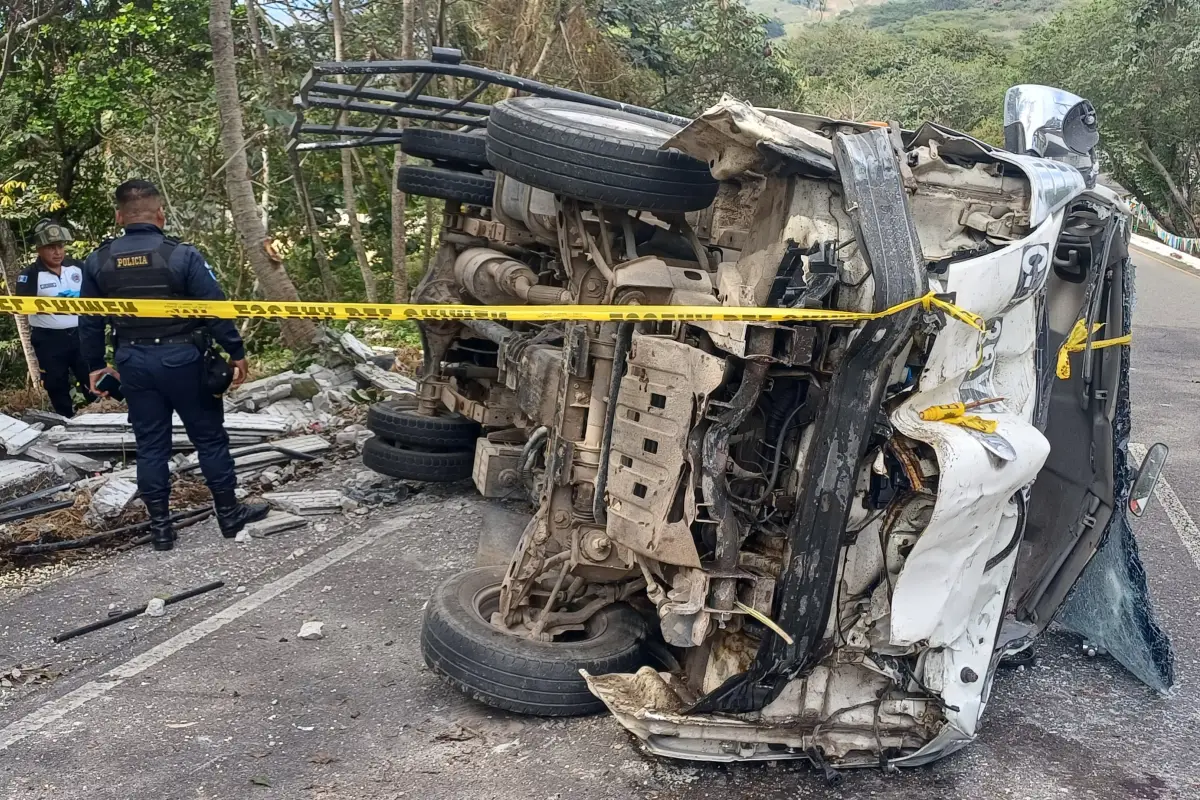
(219, 699)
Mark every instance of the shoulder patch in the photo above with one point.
(22, 278)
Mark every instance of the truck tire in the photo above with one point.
(597, 155)
(398, 422)
(417, 465)
(447, 184)
(449, 147)
(522, 675)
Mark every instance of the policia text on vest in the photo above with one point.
(162, 360)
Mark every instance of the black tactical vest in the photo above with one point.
(143, 274)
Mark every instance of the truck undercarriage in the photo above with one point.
(751, 539)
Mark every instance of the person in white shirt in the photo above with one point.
(56, 336)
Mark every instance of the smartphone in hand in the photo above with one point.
(112, 385)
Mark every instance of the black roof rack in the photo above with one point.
(367, 94)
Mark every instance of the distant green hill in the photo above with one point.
(1001, 19)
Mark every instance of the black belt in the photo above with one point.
(186, 338)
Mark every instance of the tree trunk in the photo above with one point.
(328, 281)
(10, 255)
(349, 196)
(1185, 209)
(268, 267)
(400, 292)
(270, 79)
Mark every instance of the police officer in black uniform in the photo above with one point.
(55, 337)
(163, 364)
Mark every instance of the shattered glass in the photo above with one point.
(1110, 605)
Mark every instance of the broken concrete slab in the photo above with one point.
(293, 411)
(255, 424)
(355, 348)
(311, 503)
(110, 500)
(258, 394)
(16, 436)
(49, 453)
(329, 400)
(49, 419)
(18, 477)
(260, 458)
(273, 523)
(126, 443)
(392, 384)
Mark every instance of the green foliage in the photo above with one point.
(954, 77)
(1138, 61)
(697, 50)
(998, 19)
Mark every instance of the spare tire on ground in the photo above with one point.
(398, 421)
(447, 184)
(449, 147)
(519, 674)
(414, 464)
(598, 155)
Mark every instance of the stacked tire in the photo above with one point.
(413, 446)
(458, 167)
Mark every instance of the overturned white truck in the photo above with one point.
(768, 539)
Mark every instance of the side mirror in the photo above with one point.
(1147, 478)
(1052, 123)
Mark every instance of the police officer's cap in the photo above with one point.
(48, 232)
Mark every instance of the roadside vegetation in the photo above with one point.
(195, 95)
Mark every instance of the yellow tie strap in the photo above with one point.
(956, 414)
(1077, 342)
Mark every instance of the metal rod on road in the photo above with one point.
(124, 615)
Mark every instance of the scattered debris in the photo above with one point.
(273, 425)
(275, 522)
(392, 384)
(243, 536)
(311, 631)
(312, 503)
(354, 435)
(110, 501)
(48, 453)
(16, 436)
(124, 442)
(135, 612)
(248, 424)
(156, 608)
(457, 733)
(19, 477)
(48, 419)
(354, 348)
(259, 456)
(26, 676)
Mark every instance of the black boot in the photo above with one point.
(162, 532)
(232, 516)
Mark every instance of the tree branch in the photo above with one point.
(1176, 195)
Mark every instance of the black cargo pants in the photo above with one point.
(60, 360)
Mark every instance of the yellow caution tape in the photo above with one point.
(956, 414)
(237, 309)
(1077, 342)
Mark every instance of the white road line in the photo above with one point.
(1180, 519)
(55, 710)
